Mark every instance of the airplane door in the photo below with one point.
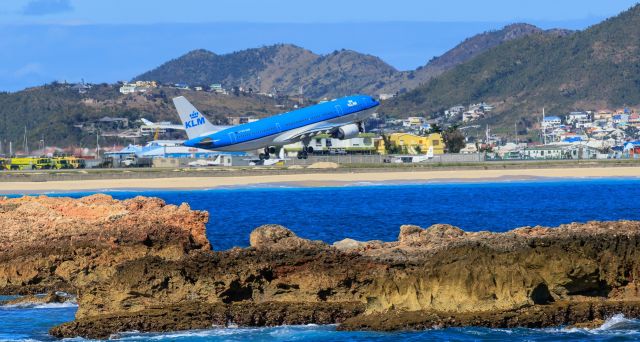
(338, 110)
(278, 129)
(232, 137)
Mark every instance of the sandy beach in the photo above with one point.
(336, 178)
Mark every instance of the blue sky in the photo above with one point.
(110, 40)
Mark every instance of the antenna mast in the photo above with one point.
(544, 129)
(25, 143)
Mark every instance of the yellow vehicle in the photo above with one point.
(29, 163)
(61, 163)
(3, 163)
(75, 162)
(43, 163)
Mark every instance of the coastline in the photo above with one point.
(335, 177)
(160, 256)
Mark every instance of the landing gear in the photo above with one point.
(267, 153)
(304, 154)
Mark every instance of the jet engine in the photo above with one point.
(347, 132)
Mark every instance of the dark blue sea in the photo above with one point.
(376, 212)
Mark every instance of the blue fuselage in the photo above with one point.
(274, 131)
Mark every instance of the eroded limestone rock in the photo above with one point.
(141, 264)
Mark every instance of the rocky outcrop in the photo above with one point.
(200, 315)
(49, 298)
(51, 243)
(161, 275)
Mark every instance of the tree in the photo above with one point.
(434, 128)
(631, 132)
(453, 139)
(388, 146)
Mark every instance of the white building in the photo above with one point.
(455, 110)
(579, 119)
(551, 121)
(128, 89)
(323, 143)
(572, 151)
(413, 121)
(471, 115)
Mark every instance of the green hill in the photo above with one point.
(595, 68)
(283, 67)
(54, 112)
(289, 68)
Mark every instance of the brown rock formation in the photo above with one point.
(53, 297)
(144, 265)
(62, 243)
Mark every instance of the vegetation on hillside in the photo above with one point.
(288, 68)
(595, 68)
(55, 112)
(279, 68)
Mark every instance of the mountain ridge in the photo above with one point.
(597, 68)
(288, 68)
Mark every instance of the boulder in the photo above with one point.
(276, 237)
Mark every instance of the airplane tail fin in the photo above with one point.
(193, 121)
(430, 152)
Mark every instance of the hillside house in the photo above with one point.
(551, 121)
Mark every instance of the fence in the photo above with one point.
(379, 159)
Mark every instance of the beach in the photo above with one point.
(336, 177)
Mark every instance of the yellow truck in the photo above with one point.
(61, 163)
(29, 163)
(75, 162)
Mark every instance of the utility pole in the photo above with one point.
(544, 129)
(97, 143)
(515, 128)
(25, 145)
(486, 135)
(301, 94)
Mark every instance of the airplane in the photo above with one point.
(160, 125)
(269, 162)
(219, 160)
(340, 118)
(414, 158)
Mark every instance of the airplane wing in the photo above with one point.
(301, 134)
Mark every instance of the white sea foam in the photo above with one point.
(614, 325)
(288, 332)
(68, 304)
(366, 184)
(619, 322)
